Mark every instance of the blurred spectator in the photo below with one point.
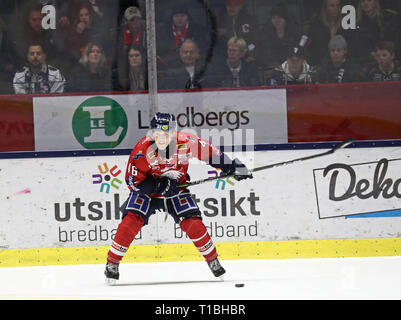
(7, 60)
(92, 74)
(123, 5)
(133, 75)
(131, 31)
(234, 21)
(30, 31)
(387, 68)
(170, 36)
(276, 36)
(235, 71)
(322, 28)
(133, 28)
(83, 30)
(295, 70)
(99, 8)
(339, 67)
(374, 25)
(37, 76)
(68, 10)
(189, 71)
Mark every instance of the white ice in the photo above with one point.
(328, 279)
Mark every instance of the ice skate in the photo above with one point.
(111, 273)
(216, 268)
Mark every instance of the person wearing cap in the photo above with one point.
(387, 67)
(170, 36)
(134, 30)
(294, 70)
(338, 67)
(234, 21)
(276, 36)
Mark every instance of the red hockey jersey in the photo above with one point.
(146, 163)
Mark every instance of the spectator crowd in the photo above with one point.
(101, 45)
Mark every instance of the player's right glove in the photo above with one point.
(239, 170)
(166, 187)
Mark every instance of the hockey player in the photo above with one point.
(157, 167)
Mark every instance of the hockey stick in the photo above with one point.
(339, 146)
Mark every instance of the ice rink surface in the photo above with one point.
(293, 279)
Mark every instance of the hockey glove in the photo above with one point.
(166, 187)
(239, 170)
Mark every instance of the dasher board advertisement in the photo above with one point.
(120, 121)
(79, 201)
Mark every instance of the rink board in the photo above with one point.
(339, 248)
(65, 210)
(81, 122)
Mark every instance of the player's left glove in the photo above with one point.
(166, 187)
(239, 170)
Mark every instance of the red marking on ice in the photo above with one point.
(25, 191)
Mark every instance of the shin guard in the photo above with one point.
(197, 232)
(126, 232)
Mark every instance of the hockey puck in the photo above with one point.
(239, 285)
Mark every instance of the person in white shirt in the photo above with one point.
(294, 70)
(37, 76)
